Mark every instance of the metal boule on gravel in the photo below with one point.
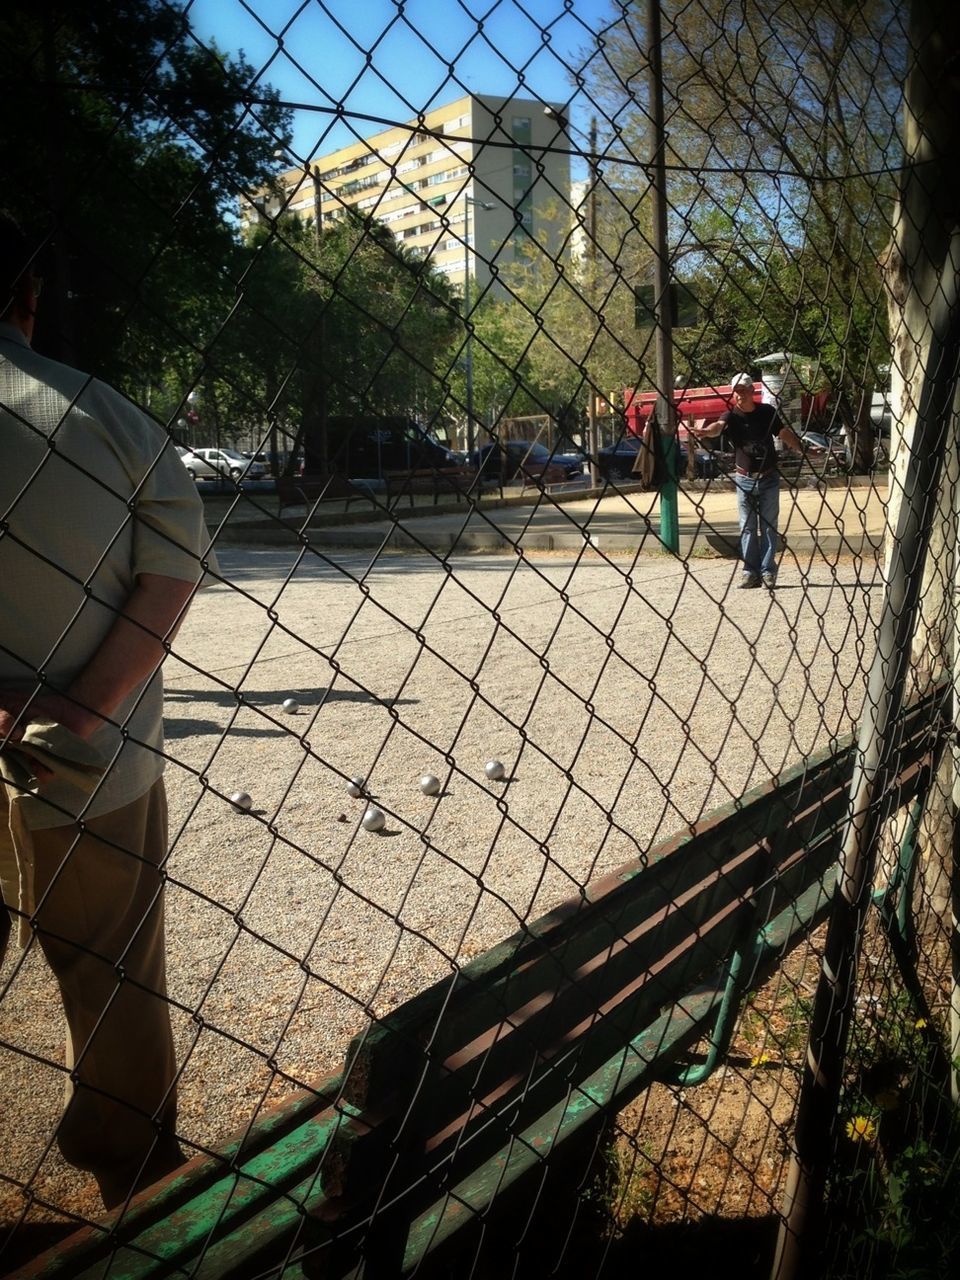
(373, 819)
(494, 770)
(355, 787)
(430, 784)
(291, 706)
(241, 801)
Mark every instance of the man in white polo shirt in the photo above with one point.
(102, 544)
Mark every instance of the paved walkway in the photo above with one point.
(838, 518)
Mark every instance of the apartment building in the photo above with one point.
(465, 185)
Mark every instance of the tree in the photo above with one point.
(356, 324)
(922, 277)
(132, 144)
(565, 328)
(921, 271)
(782, 120)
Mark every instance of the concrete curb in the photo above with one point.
(443, 542)
(627, 523)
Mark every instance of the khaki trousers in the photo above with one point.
(99, 920)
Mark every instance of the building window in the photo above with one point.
(521, 129)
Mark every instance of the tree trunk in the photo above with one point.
(926, 221)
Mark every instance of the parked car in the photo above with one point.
(367, 446)
(833, 446)
(507, 460)
(881, 414)
(616, 461)
(213, 464)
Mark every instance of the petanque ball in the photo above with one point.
(241, 801)
(355, 787)
(494, 770)
(429, 784)
(373, 819)
(291, 706)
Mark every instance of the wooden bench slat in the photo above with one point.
(306, 490)
(205, 1198)
(611, 1087)
(432, 480)
(526, 1056)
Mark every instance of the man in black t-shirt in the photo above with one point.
(751, 428)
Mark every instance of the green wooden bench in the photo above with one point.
(466, 1098)
(305, 490)
(431, 481)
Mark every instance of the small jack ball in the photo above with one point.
(373, 819)
(291, 706)
(355, 788)
(241, 801)
(494, 770)
(429, 784)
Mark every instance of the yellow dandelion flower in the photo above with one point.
(760, 1060)
(861, 1129)
(919, 1024)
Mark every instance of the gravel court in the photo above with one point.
(625, 698)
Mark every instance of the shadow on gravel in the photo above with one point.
(21, 1244)
(175, 726)
(269, 700)
(717, 1247)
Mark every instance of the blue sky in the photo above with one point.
(422, 53)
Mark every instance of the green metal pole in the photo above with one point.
(666, 414)
(669, 516)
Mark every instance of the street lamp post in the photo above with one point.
(666, 412)
(468, 349)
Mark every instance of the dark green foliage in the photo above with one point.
(133, 144)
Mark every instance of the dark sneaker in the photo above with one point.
(770, 580)
(749, 580)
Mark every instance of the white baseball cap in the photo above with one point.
(739, 378)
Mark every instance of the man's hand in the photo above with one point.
(130, 653)
(12, 703)
(42, 706)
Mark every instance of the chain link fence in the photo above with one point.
(393, 285)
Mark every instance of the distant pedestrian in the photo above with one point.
(752, 429)
(101, 553)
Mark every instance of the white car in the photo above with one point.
(212, 464)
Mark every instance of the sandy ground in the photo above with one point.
(625, 699)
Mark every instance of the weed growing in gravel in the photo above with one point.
(894, 1192)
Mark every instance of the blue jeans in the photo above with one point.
(758, 505)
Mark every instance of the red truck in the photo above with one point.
(704, 405)
(701, 404)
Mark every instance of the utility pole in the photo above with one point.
(666, 413)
